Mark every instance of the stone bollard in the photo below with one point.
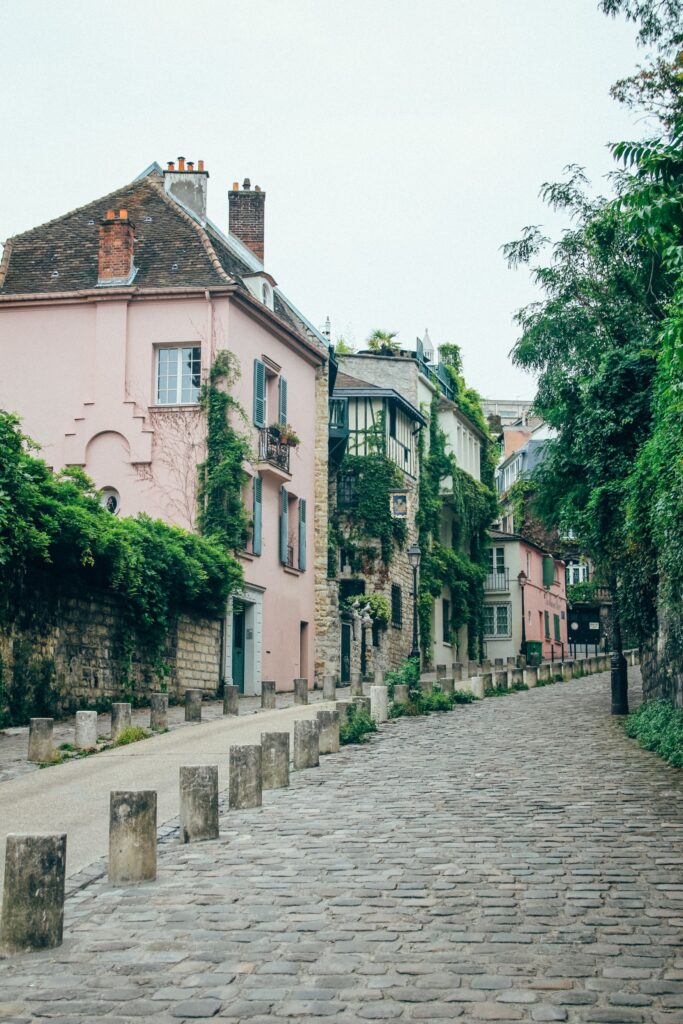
(301, 691)
(486, 665)
(274, 760)
(120, 719)
(268, 694)
(501, 678)
(447, 685)
(231, 700)
(193, 705)
(457, 671)
(133, 836)
(567, 670)
(426, 686)
(531, 677)
(477, 685)
(356, 685)
(441, 671)
(378, 677)
(33, 893)
(86, 730)
(379, 703)
(344, 707)
(363, 704)
(487, 679)
(401, 693)
(516, 676)
(473, 669)
(306, 743)
(604, 663)
(158, 712)
(329, 686)
(545, 672)
(328, 738)
(512, 662)
(245, 786)
(198, 802)
(499, 662)
(40, 746)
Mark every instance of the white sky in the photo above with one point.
(400, 142)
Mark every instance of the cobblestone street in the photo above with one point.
(515, 860)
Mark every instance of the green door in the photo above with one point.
(345, 653)
(238, 646)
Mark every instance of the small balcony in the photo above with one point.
(497, 582)
(273, 455)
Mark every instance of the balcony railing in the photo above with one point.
(271, 449)
(499, 580)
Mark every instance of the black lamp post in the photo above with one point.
(414, 556)
(522, 579)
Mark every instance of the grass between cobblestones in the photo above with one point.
(356, 726)
(658, 726)
(426, 703)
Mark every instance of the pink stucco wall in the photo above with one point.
(82, 378)
(539, 599)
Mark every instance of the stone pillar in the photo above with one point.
(86, 730)
(512, 662)
(363, 704)
(33, 893)
(133, 836)
(329, 686)
(426, 686)
(275, 759)
(401, 693)
(499, 662)
(567, 670)
(486, 679)
(379, 703)
(531, 677)
(328, 736)
(344, 707)
(478, 686)
(306, 743)
(158, 712)
(457, 671)
(246, 776)
(473, 669)
(120, 719)
(502, 678)
(198, 802)
(301, 691)
(231, 700)
(447, 685)
(268, 694)
(544, 672)
(378, 677)
(441, 671)
(516, 676)
(486, 664)
(193, 705)
(356, 685)
(40, 746)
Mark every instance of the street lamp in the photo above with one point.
(414, 556)
(523, 579)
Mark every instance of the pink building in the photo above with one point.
(110, 319)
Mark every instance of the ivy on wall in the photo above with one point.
(369, 516)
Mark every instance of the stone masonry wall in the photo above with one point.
(82, 642)
(324, 612)
(662, 661)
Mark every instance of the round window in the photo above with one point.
(111, 499)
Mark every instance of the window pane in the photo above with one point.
(488, 619)
(167, 380)
(500, 559)
(502, 623)
(190, 362)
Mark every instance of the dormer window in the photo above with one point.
(261, 286)
(267, 296)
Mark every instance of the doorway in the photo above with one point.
(238, 623)
(303, 650)
(345, 653)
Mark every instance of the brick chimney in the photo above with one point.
(117, 237)
(246, 215)
(187, 185)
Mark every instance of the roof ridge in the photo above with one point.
(206, 241)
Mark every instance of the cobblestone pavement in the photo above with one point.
(516, 860)
(14, 741)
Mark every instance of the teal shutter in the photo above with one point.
(259, 393)
(548, 570)
(258, 516)
(284, 525)
(302, 533)
(282, 401)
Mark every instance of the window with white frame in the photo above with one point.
(178, 375)
(497, 620)
(576, 572)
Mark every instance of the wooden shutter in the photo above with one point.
(259, 393)
(302, 533)
(282, 401)
(257, 541)
(284, 524)
(548, 570)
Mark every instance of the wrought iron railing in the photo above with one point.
(271, 449)
(499, 580)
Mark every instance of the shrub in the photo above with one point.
(357, 725)
(408, 673)
(463, 697)
(131, 735)
(658, 726)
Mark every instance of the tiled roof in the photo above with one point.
(349, 383)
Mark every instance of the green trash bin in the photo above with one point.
(534, 652)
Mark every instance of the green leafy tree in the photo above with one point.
(384, 343)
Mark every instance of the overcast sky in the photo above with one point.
(400, 143)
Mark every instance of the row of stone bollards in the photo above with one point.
(35, 865)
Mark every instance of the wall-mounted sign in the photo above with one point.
(594, 625)
(399, 504)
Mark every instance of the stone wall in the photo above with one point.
(78, 647)
(662, 661)
(325, 658)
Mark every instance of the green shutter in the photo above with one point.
(258, 516)
(302, 533)
(259, 393)
(284, 524)
(282, 401)
(546, 621)
(556, 622)
(548, 570)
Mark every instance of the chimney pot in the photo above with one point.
(246, 185)
(171, 165)
(257, 188)
(200, 166)
(190, 165)
(181, 163)
(123, 214)
(235, 186)
(110, 215)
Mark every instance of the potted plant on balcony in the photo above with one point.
(284, 434)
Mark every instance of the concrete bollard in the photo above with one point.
(193, 705)
(306, 743)
(486, 665)
(274, 760)
(458, 671)
(499, 662)
(447, 685)
(567, 670)
(531, 677)
(268, 694)
(356, 685)
(378, 677)
(477, 685)
(344, 707)
(363, 704)
(245, 786)
(473, 669)
(329, 686)
(301, 691)
(120, 719)
(501, 678)
(441, 671)
(426, 686)
(512, 662)
(545, 672)
(231, 700)
(328, 738)
(133, 836)
(604, 663)
(33, 893)
(487, 679)
(401, 693)
(158, 712)
(379, 703)
(40, 745)
(198, 802)
(86, 730)
(515, 676)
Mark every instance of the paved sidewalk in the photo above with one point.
(515, 860)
